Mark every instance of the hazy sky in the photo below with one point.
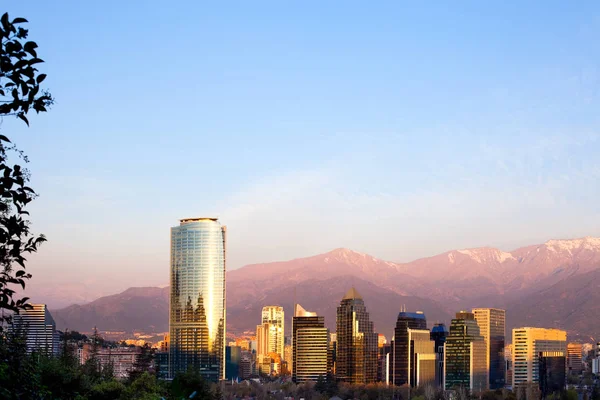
(397, 129)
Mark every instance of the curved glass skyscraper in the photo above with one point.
(197, 305)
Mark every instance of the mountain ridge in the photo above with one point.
(453, 280)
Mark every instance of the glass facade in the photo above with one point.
(492, 325)
(552, 372)
(465, 355)
(400, 346)
(438, 335)
(197, 304)
(356, 353)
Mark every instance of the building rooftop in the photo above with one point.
(352, 294)
(188, 220)
(415, 315)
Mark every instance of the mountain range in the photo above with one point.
(554, 284)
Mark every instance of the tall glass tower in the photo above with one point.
(399, 368)
(356, 353)
(465, 355)
(197, 307)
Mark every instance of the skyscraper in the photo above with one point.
(274, 317)
(38, 324)
(492, 326)
(356, 350)
(574, 361)
(529, 345)
(399, 364)
(438, 335)
(197, 307)
(310, 346)
(465, 355)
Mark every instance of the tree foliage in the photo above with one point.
(20, 92)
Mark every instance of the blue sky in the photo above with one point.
(401, 130)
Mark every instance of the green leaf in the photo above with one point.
(40, 78)
(35, 61)
(19, 20)
(4, 139)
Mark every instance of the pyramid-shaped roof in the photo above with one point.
(352, 294)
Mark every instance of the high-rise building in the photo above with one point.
(310, 346)
(274, 317)
(233, 358)
(529, 344)
(245, 364)
(438, 335)
(39, 326)
(552, 376)
(197, 307)
(356, 349)
(421, 357)
(574, 362)
(492, 326)
(400, 374)
(465, 362)
(262, 339)
(270, 340)
(509, 364)
(383, 363)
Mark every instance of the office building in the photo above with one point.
(551, 372)
(122, 359)
(383, 363)
(310, 346)
(246, 367)
(529, 344)
(332, 352)
(270, 340)
(421, 357)
(438, 335)
(400, 373)
(492, 326)
(39, 326)
(233, 358)
(356, 347)
(574, 361)
(465, 361)
(509, 365)
(273, 317)
(197, 306)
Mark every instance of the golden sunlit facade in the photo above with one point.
(492, 323)
(197, 302)
(528, 343)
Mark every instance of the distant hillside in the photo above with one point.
(550, 284)
(572, 304)
(145, 309)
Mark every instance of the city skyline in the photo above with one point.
(382, 125)
(179, 178)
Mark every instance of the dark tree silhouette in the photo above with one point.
(20, 92)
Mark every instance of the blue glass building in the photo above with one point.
(197, 304)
